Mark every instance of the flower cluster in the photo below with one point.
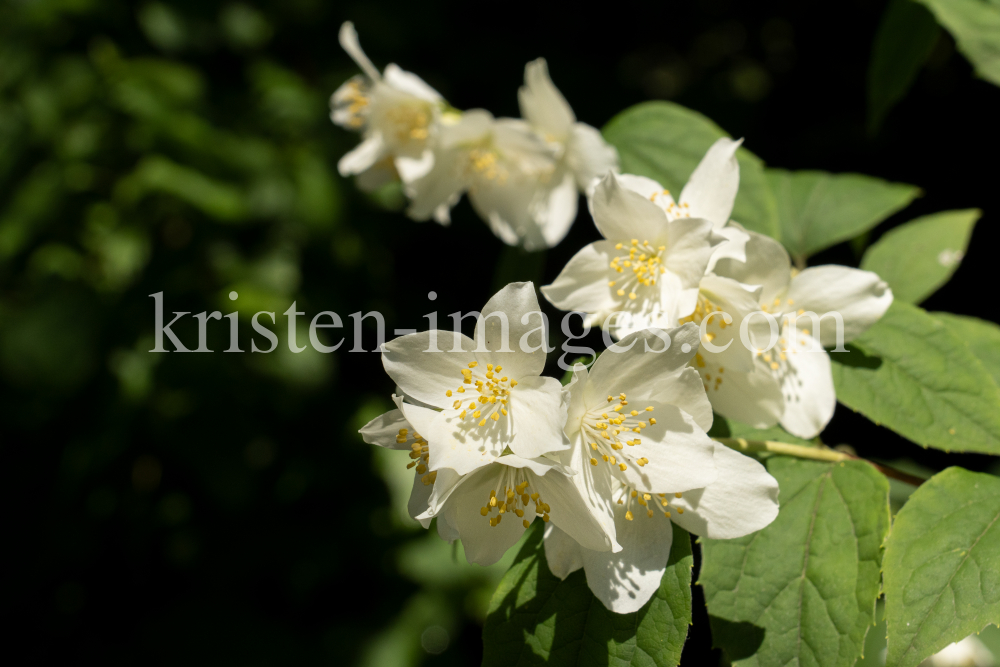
(522, 176)
(609, 461)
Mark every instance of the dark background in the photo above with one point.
(220, 508)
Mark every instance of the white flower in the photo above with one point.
(396, 112)
(484, 395)
(638, 418)
(743, 498)
(510, 175)
(582, 151)
(648, 270)
(490, 508)
(791, 383)
(969, 652)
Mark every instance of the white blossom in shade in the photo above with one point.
(969, 652)
(485, 395)
(791, 381)
(638, 418)
(647, 271)
(511, 175)
(583, 155)
(491, 507)
(741, 499)
(396, 113)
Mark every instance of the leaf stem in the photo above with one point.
(814, 453)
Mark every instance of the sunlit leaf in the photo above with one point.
(982, 337)
(975, 25)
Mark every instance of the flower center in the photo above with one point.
(626, 495)
(493, 389)
(410, 122)
(643, 264)
(485, 163)
(356, 99)
(513, 498)
(419, 452)
(610, 431)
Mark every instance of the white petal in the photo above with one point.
(537, 410)
(517, 306)
(807, 385)
(484, 544)
(626, 580)
(349, 42)
(753, 398)
(680, 454)
(452, 443)
(376, 176)
(588, 156)
(732, 298)
(582, 285)
(767, 264)
(411, 169)
(434, 193)
(569, 511)
(734, 247)
(410, 83)
(419, 497)
(563, 553)
(382, 430)
(861, 298)
(595, 485)
(621, 215)
(689, 249)
(742, 499)
(542, 104)
(428, 375)
(711, 190)
(364, 155)
(687, 392)
(642, 368)
(557, 214)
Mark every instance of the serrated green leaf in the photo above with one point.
(802, 591)
(911, 374)
(534, 618)
(920, 256)
(817, 209)
(975, 25)
(982, 338)
(942, 565)
(665, 141)
(905, 38)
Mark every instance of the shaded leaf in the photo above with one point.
(911, 374)
(942, 565)
(665, 142)
(817, 209)
(802, 591)
(535, 618)
(982, 338)
(919, 257)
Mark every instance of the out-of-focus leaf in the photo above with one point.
(982, 338)
(912, 375)
(158, 174)
(903, 43)
(818, 209)
(942, 565)
(244, 26)
(802, 591)
(919, 257)
(33, 205)
(665, 142)
(535, 618)
(975, 25)
(162, 26)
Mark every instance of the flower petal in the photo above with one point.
(711, 190)
(383, 430)
(621, 215)
(408, 82)
(569, 511)
(753, 398)
(767, 264)
(732, 298)
(556, 213)
(363, 156)
(807, 385)
(689, 249)
(542, 104)
(537, 416)
(589, 156)
(428, 375)
(861, 298)
(507, 317)
(420, 494)
(349, 42)
(626, 580)
(734, 246)
(741, 500)
(582, 285)
(563, 554)
(687, 392)
(484, 544)
(451, 442)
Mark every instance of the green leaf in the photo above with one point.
(975, 25)
(802, 591)
(911, 374)
(730, 428)
(982, 338)
(904, 40)
(818, 209)
(158, 174)
(919, 257)
(665, 141)
(942, 565)
(535, 618)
